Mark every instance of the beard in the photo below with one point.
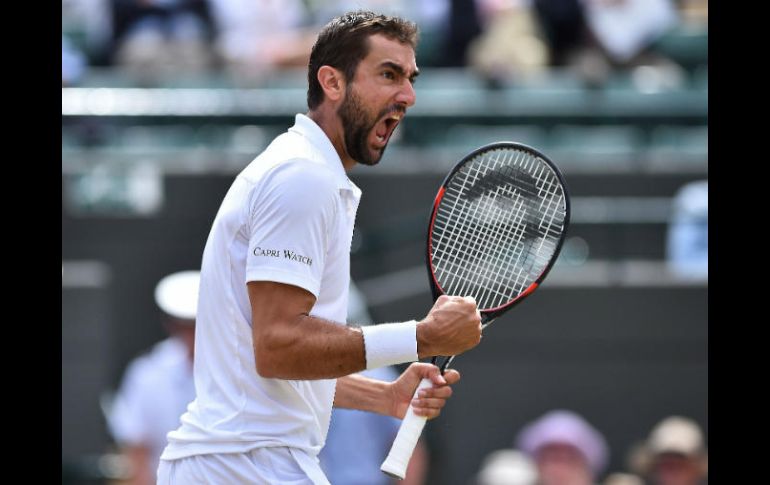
(357, 125)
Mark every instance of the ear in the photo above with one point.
(332, 82)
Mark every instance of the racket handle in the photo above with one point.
(406, 439)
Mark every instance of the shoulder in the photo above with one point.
(298, 184)
(291, 172)
(284, 149)
(303, 173)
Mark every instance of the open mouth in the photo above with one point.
(384, 129)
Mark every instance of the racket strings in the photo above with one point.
(486, 276)
(497, 226)
(466, 234)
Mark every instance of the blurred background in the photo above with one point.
(165, 101)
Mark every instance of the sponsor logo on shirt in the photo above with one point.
(286, 254)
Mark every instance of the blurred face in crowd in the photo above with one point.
(377, 98)
(676, 469)
(562, 464)
(184, 330)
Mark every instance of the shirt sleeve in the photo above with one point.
(291, 219)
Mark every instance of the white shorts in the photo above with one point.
(261, 466)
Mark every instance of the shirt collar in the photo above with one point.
(308, 128)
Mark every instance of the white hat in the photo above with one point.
(507, 467)
(676, 434)
(177, 294)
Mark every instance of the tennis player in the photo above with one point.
(272, 351)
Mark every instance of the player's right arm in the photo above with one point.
(296, 211)
(291, 344)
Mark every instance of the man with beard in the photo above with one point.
(272, 352)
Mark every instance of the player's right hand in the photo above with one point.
(452, 327)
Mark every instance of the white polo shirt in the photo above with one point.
(288, 217)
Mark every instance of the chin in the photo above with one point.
(373, 159)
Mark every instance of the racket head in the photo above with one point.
(497, 226)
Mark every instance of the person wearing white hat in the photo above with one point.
(158, 385)
(674, 454)
(507, 467)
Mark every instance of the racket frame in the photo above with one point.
(489, 314)
(411, 427)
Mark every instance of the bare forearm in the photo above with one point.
(309, 348)
(291, 344)
(362, 393)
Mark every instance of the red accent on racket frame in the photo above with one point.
(436, 202)
(523, 294)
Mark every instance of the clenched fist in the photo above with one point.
(452, 327)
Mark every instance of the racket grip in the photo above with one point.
(406, 439)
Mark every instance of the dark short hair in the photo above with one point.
(344, 42)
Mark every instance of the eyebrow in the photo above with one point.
(400, 70)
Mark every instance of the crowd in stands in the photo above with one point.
(501, 40)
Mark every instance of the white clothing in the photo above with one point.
(156, 389)
(253, 32)
(687, 241)
(288, 218)
(261, 466)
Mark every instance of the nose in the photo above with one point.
(406, 94)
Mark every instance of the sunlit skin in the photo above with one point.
(562, 464)
(184, 330)
(374, 101)
(676, 469)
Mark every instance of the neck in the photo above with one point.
(326, 117)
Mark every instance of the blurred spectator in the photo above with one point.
(564, 28)
(625, 28)
(687, 250)
(358, 442)
(73, 63)
(257, 36)
(506, 467)
(155, 38)
(566, 449)
(594, 37)
(622, 479)
(512, 44)
(674, 454)
(463, 27)
(626, 31)
(88, 24)
(435, 19)
(158, 386)
(694, 12)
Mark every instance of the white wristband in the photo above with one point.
(390, 343)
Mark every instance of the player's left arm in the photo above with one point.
(393, 398)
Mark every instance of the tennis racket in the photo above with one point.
(497, 226)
